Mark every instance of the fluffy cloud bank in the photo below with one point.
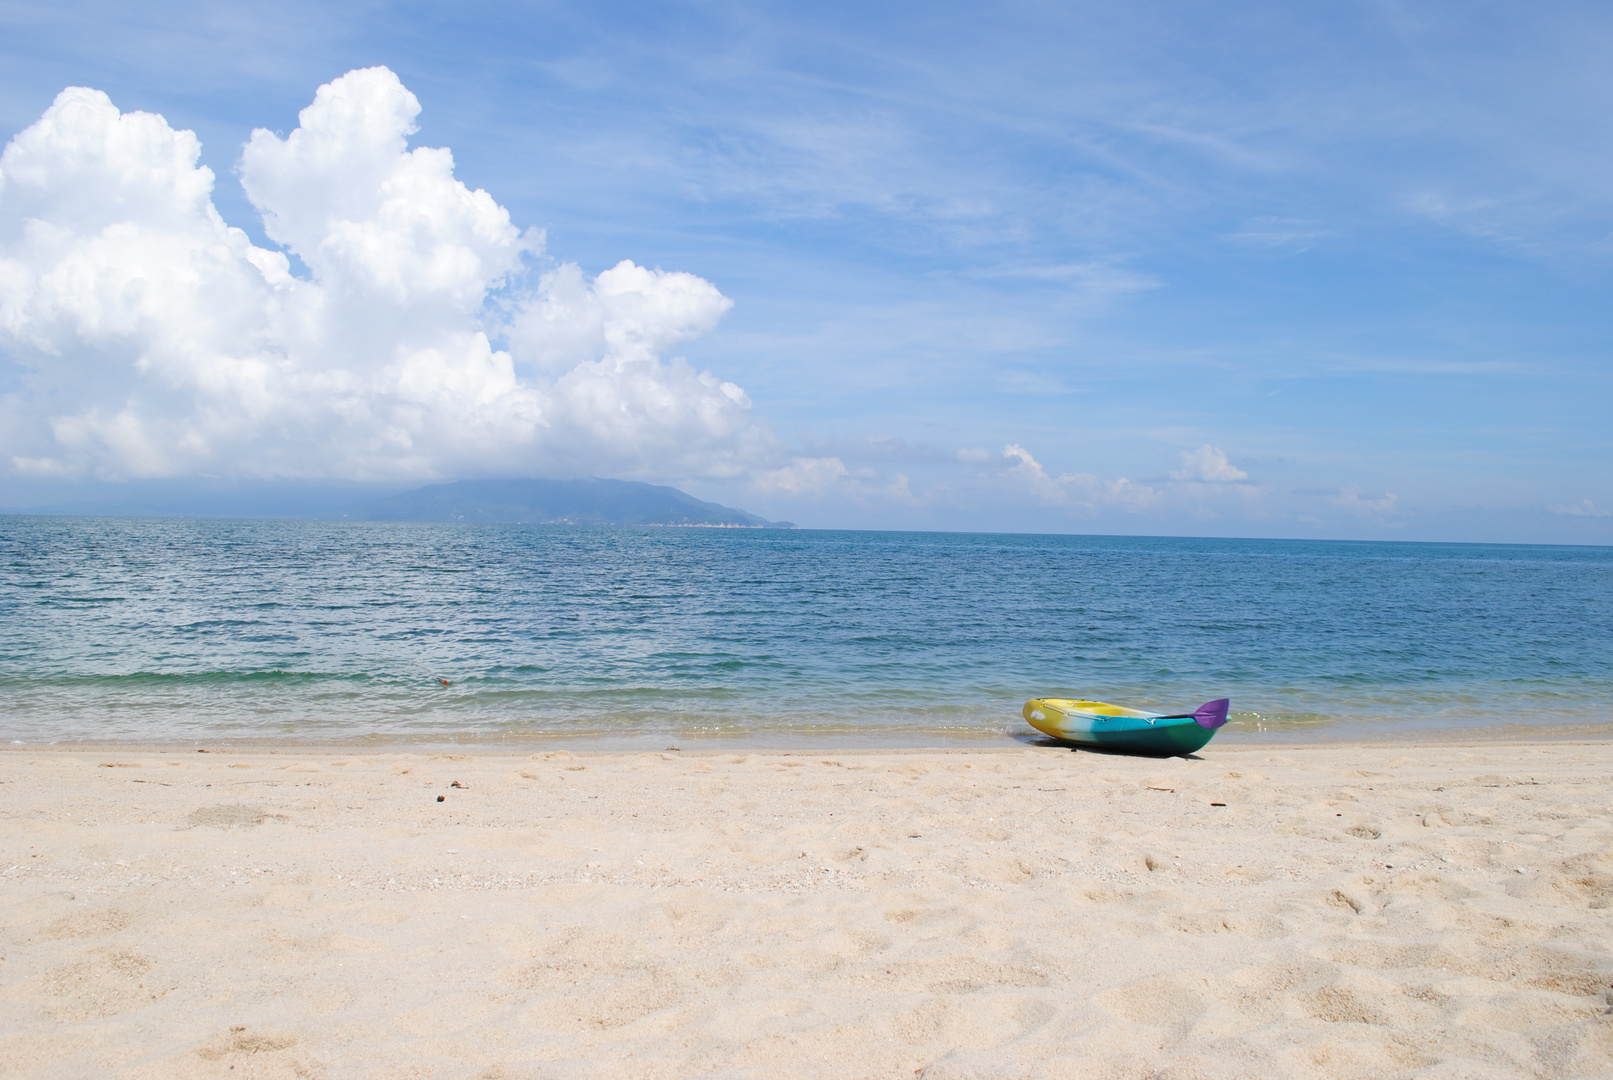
(419, 338)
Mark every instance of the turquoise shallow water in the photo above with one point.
(129, 629)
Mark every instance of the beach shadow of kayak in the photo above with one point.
(1036, 738)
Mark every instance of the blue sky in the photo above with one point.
(1360, 251)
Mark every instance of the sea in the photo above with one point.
(204, 631)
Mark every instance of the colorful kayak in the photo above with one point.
(1132, 731)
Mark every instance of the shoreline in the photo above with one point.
(1282, 911)
(778, 741)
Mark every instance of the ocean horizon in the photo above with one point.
(187, 630)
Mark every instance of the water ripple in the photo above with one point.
(149, 629)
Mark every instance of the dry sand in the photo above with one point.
(1410, 910)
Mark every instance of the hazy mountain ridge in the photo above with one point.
(533, 502)
(561, 502)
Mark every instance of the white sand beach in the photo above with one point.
(1435, 910)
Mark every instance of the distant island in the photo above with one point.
(560, 502)
(515, 502)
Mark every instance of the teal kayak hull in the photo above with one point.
(1115, 728)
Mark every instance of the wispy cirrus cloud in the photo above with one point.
(1353, 501)
(1583, 508)
(828, 477)
(928, 217)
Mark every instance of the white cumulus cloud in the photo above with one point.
(427, 339)
(1208, 486)
(1208, 465)
(1082, 490)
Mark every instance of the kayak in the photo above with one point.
(1132, 731)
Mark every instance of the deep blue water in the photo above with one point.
(206, 629)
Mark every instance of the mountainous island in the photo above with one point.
(560, 502)
(532, 502)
